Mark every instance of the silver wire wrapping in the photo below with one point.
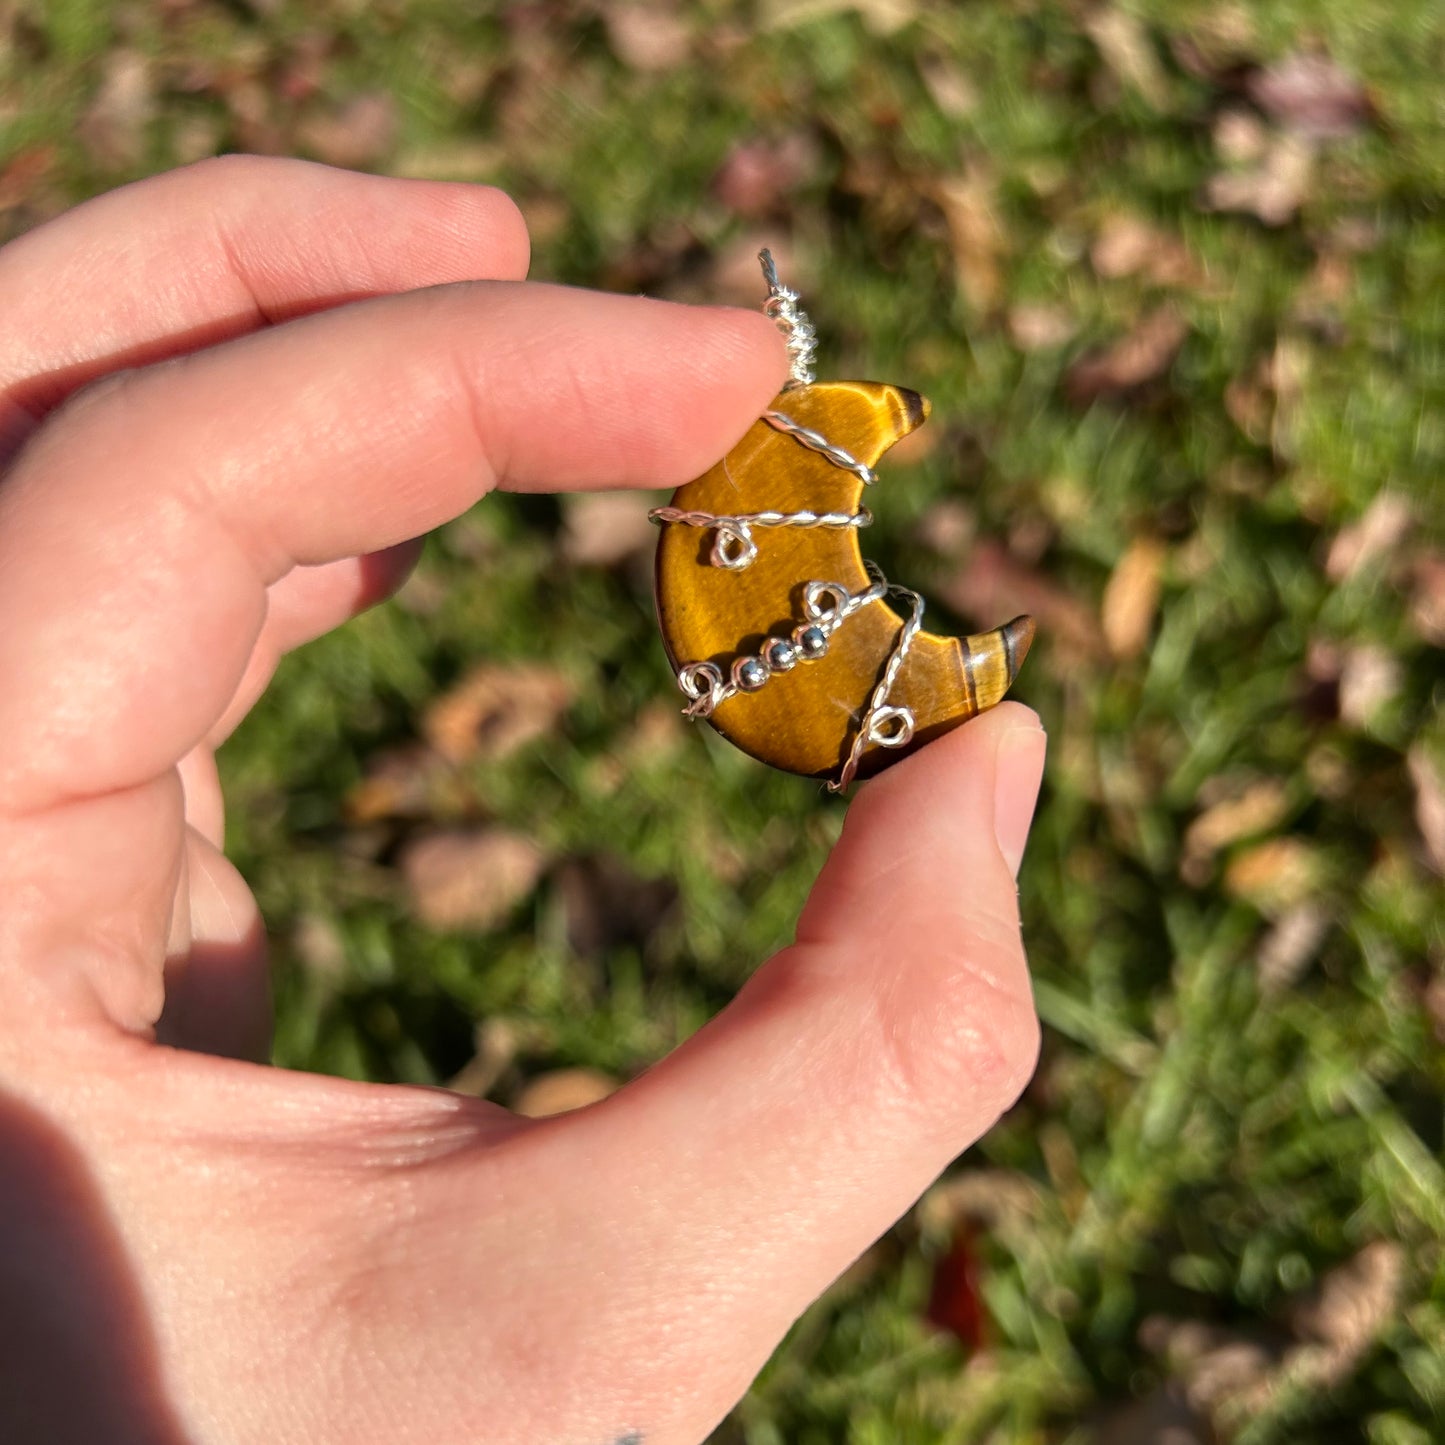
(792, 321)
(734, 548)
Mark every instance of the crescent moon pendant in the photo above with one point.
(782, 637)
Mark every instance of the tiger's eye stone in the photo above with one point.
(804, 720)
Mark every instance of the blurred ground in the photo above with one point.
(1173, 275)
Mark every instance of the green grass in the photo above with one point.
(1196, 1146)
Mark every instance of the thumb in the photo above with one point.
(787, 1135)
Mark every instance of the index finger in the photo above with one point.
(140, 528)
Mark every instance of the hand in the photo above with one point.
(299, 377)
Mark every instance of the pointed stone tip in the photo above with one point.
(1018, 637)
(915, 407)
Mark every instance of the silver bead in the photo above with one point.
(749, 674)
(781, 655)
(811, 642)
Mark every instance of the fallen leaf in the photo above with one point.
(1274, 875)
(496, 710)
(648, 38)
(605, 529)
(359, 133)
(495, 1043)
(1131, 597)
(1370, 678)
(1384, 525)
(756, 177)
(1215, 1366)
(947, 527)
(561, 1091)
(1037, 326)
(955, 1300)
(998, 1200)
(993, 586)
(606, 904)
(469, 879)
(975, 237)
(113, 127)
(1274, 189)
(319, 946)
(1128, 52)
(1144, 355)
(1221, 39)
(1342, 1316)
(1289, 946)
(397, 783)
(944, 79)
(1311, 96)
(1429, 784)
(1129, 246)
(1240, 137)
(23, 173)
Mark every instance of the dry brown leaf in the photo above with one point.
(469, 879)
(398, 783)
(24, 173)
(1131, 597)
(952, 91)
(976, 240)
(1427, 604)
(1275, 875)
(358, 133)
(1037, 326)
(605, 904)
(1289, 946)
(1311, 96)
(561, 1091)
(756, 176)
(1429, 784)
(996, 1200)
(1128, 52)
(605, 529)
(496, 1042)
(1273, 189)
(113, 128)
(647, 37)
(1144, 355)
(1383, 527)
(1370, 678)
(993, 586)
(1240, 137)
(1129, 246)
(495, 710)
(319, 945)
(947, 527)
(1351, 1303)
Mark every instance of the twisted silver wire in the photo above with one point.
(816, 441)
(792, 321)
(879, 713)
(733, 546)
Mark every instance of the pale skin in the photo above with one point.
(230, 397)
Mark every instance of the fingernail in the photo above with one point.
(1018, 771)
